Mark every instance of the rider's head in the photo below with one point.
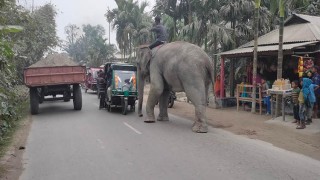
(157, 19)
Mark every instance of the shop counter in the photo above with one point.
(283, 94)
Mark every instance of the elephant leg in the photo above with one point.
(156, 89)
(199, 99)
(163, 106)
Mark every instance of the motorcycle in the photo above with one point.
(172, 98)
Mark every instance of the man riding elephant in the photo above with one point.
(161, 33)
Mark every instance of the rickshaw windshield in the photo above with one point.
(124, 78)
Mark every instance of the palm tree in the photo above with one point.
(281, 27)
(255, 53)
(130, 23)
(171, 9)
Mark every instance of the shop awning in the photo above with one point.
(242, 52)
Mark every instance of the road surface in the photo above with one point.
(94, 144)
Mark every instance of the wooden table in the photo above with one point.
(283, 94)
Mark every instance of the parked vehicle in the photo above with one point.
(121, 91)
(91, 79)
(171, 99)
(53, 81)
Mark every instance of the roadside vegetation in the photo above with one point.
(25, 36)
(214, 25)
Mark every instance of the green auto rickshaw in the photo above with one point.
(121, 86)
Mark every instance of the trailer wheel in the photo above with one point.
(77, 97)
(34, 101)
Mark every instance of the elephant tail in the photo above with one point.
(210, 72)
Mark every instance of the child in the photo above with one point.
(266, 97)
(294, 96)
(308, 101)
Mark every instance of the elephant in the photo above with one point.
(179, 67)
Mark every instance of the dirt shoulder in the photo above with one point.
(11, 163)
(255, 126)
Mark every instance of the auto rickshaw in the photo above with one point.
(121, 88)
(91, 79)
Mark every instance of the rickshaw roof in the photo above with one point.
(95, 69)
(125, 67)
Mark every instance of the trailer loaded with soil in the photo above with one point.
(53, 78)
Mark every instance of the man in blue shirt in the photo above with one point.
(161, 33)
(316, 81)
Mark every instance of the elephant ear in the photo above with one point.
(144, 60)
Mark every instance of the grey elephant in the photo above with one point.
(176, 66)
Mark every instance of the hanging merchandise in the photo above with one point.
(308, 63)
(300, 67)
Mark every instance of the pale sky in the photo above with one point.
(80, 12)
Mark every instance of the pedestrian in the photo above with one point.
(217, 88)
(101, 89)
(295, 95)
(161, 33)
(316, 81)
(302, 109)
(265, 96)
(309, 97)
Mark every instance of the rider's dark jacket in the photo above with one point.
(161, 32)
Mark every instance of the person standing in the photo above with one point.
(217, 88)
(302, 109)
(265, 96)
(309, 97)
(101, 82)
(295, 95)
(316, 81)
(161, 33)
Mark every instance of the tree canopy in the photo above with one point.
(208, 23)
(87, 45)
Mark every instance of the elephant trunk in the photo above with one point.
(140, 92)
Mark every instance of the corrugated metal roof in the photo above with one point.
(266, 48)
(310, 19)
(302, 32)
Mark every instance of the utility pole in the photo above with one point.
(32, 5)
(109, 21)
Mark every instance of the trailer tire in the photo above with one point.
(77, 97)
(34, 101)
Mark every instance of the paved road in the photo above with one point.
(96, 145)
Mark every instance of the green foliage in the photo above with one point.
(90, 48)
(132, 24)
(24, 37)
(39, 35)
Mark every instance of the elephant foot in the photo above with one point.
(200, 128)
(149, 120)
(162, 118)
(140, 115)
